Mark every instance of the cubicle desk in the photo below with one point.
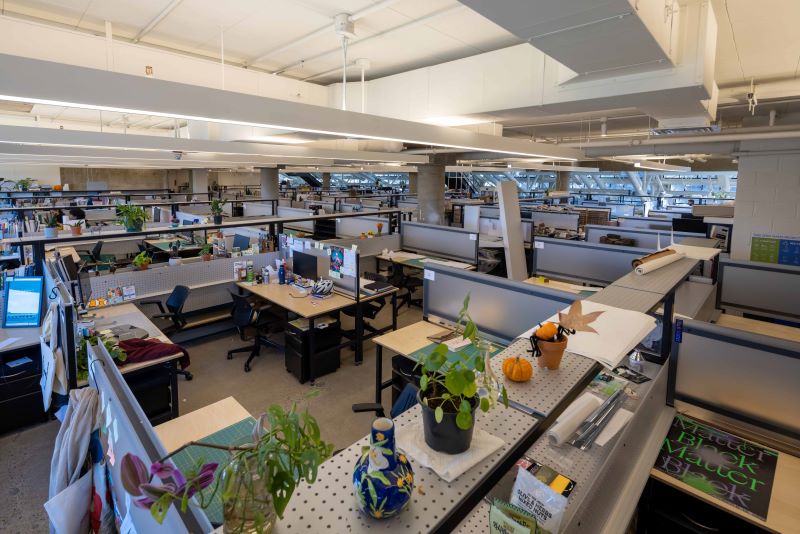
(200, 423)
(700, 242)
(311, 308)
(123, 314)
(398, 258)
(563, 286)
(759, 327)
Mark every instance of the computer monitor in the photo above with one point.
(23, 302)
(689, 224)
(304, 265)
(70, 268)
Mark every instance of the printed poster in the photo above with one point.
(726, 467)
(775, 248)
(337, 262)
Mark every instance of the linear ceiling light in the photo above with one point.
(656, 166)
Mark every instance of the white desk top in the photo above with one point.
(198, 424)
(23, 337)
(126, 314)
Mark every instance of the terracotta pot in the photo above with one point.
(76, 229)
(143, 267)
(552, 352)
(207, 257)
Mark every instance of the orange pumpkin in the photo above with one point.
(517, 369)
(547, 331)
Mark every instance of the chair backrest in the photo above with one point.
(241, 241)
(177, 299)
(407, 399)
(96, 249)
(242, 311)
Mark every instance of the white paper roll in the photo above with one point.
(651, 266)
(575, 414)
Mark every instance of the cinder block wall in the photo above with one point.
(767, 193)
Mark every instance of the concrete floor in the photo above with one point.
(25, 455)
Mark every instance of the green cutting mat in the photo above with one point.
(239, 433)
(469, 349)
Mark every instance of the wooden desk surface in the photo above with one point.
(759, 327)
(282, 295)
(784, 505)
(200, 423)
(410, 338)
(563, 286)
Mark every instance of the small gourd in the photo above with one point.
(517, 369)
(547, 332)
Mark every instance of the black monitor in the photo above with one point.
(23, 302)
(689, 224)
(70, 268)
(304, 265)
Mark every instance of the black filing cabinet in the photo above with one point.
(20, 393)
(327, 335)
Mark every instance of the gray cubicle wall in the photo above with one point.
(441, 241)
(488, 225)
(305, 226)
(553, 219)
(760, 288)
(741, 375)
(645, 222)
(355, 226)
(503, 309)
(581, 261)
(643, 238)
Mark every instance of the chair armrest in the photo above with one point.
(168, 315)
(156, 302)
(369, 407)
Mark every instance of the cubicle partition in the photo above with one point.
(766, 289)
(491, 226)
(355, 226)
(502, 308)
(344, 281)
(441, 241)
(667, 214)
(744, 376)
(252, 209)
(651, 223)
(130, 432)
(304, 226)
(57, 291)
(580, 261)
(617, 210)
(643, 238)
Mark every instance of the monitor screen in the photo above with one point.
(689, 224)
(304, 265)
(69, 267)
(23, 302)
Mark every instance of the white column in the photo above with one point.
(430, 193)
(326, 180)
(200, 181)
(270, 183)
(511, 224)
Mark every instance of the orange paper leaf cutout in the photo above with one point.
(576, 320)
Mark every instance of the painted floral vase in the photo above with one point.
(383, 478)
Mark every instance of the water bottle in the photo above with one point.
(282, 274)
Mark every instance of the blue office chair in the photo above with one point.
(241, 241)
(406, 400)
(174, 313)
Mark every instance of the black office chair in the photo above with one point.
(250, 320)
(406, 400)
(369, 310)
(94, 256)
(174, 313)
(241, 241)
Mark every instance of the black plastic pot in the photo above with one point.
(217, 219)
(445, 437)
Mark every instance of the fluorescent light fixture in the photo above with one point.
(655, 166)
(453, 121)
(276, 139)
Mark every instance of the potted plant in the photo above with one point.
(549, 341)
(206, 252)
(75, 227)
(449, 388)
(132, 217)
(23, 184)
(174, 254)
(142, 261)
(379, 226)
(51, 225)
(256, 484)
(216, 209)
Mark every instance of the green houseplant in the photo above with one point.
(206, 252)
(453, 385)
(132, 217)
(142, 261)
(23, 184)
(216, 209)
(51, 224)
(255, 485)
(75, 227)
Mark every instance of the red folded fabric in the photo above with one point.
(144, 350)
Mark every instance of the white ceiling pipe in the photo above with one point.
(157, 20)
(325, 30)
(670, 140)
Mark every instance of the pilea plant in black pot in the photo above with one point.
(216, 210)
(454, 385)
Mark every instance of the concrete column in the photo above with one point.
(200, 181)
(430, 193)
(562, 181)
(270, 183)
(412, 183)
(326, 180)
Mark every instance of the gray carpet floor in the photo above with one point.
(25, 455)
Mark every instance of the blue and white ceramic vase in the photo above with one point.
(383, 478)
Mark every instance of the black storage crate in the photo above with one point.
(327, 334)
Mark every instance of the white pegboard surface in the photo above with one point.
(330, 504)
(547, 387)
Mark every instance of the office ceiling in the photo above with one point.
(395, 35)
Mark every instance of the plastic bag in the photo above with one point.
(533, 495)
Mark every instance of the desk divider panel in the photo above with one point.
(745, 376)
(761, 288)
(306, 226)
(644, 238)
(502, 308)
(489, 225)
(253, 209)
(347, 284)
(651, 223)
(665, 214)
(580, 261)
(441, 241)
(368, 247)
(355, 226)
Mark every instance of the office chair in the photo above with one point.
(241, 241)
(94, 257)
(250, 319)
(369, 310)
(406, 400)
(175, 303)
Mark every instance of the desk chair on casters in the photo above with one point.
(406, 400)
(369, 310)
(250, 319)
(95, 257)
(174, 313)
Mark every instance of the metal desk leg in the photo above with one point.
(311, 350)
(378, 372)
(394, 310)
(173, 386)
(666, 326)
(359, 334)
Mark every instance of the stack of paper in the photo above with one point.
(618, 331)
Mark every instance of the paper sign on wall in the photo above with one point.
(430, 275)
(538, 244)
(473, 237)
(349, 264)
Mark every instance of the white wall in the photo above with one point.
(43, 174)
(767, 195)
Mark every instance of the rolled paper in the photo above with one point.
(656, 260)
(571, 418)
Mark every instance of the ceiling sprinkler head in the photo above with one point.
(344, 26)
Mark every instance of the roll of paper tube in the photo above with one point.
(654, 261)
(571, 418)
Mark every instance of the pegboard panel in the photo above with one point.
(330, 504)
(547, 387)
(477, 522)
(162, 280)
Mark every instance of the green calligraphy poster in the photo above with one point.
(722, 465)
